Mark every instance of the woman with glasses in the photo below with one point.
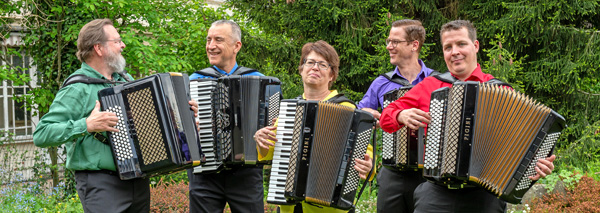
(319, 67)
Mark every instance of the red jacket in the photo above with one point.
(419, 97)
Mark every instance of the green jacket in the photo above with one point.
(65, 124)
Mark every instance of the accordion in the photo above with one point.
(403, 149)
(239, 106)
(485, 135)
(157, 132)
(326, 136)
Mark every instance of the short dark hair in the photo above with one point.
(414, 30)
(327, 51)
(457, 25)
(91, 34)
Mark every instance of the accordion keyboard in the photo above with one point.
(201, 90)
(281, 153)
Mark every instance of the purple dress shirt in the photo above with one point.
(374, 96)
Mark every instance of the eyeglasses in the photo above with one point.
(117, 41)
(394, 42)
(323, 65)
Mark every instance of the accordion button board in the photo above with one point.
(488, 136)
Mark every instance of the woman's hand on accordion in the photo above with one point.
(543, 167)
(262, 137)
(101, 121)
(414, 118)
(363, 166)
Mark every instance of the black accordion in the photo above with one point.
(401, 150)
(235, 107)
(157, 132)
(489, 136)
(328, 137)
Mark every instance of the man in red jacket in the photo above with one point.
(460, 47)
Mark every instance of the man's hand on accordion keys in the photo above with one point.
(194, 107)
(413, 118)
(543, 167)
(363, 166)
(101, 121)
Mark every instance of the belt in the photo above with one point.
(452, 186)
(104, 171)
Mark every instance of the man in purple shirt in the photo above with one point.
(404, 43)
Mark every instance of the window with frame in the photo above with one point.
(14, 116)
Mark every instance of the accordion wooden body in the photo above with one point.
(157, 132)
(489, 136)
(402, 150)
(324, 140)
(240, 106)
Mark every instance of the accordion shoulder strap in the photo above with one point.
(209, 71)
(243, 71)
(396, 79)
(81, 78)
(337, 99)
(448, 78)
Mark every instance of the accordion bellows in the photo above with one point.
(157, 132)
(324, 141)
(489, 136)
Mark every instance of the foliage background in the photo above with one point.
(546, 49)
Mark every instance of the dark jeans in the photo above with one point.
(103, 192)
(241, 187)
(396, 190)
(430, 197)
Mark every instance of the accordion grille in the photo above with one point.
(514, 117)
(402, 138)
(145, 119)
(274, 102)
(455, 98)
(289, 185)
(224, 136)
(333, 122)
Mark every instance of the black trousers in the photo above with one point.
(430, 197)
(104, 192)
(396, 190)
(241, 187)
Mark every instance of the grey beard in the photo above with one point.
(116, 62)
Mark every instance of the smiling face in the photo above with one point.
(460, 52)
(402, 51)
(313, 75)
(221, 48)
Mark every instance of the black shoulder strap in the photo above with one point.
(446, 77)
(434, 73)
(395, 78)
(210, 71)
(80, 78)
(340, 98)
(243, 71)
(498, 82)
